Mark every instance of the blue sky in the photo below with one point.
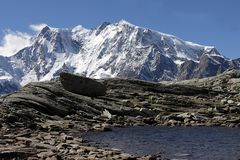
(207, 22)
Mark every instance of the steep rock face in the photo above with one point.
(8, 86)
(113, 50)
(211, 65)
(186, 70)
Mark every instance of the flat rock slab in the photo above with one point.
(82, 85)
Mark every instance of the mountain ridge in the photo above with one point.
(112, 50)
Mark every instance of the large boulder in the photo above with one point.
(82, 85)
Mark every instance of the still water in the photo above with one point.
(176, 143)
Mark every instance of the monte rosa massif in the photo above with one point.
(111, 50)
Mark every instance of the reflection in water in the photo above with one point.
(193, 143)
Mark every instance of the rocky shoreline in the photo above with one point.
(36, 119)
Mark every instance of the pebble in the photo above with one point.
(230, 101)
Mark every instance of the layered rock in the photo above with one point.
(128, 98)
(49, 109)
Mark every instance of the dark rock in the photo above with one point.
(234, 109)
(10, 118)
(82, 85)
(14, 155)
(149, 121)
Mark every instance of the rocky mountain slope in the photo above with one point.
(111, 50)
(33, 118)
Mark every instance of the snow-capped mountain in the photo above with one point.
(111, 50)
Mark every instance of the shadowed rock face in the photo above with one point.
(82, 85)
(8, 87)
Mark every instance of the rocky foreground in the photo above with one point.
(36, 120)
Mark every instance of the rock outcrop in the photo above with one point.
(49, 108)
(85, 98)
(82, 85)
(229, 81)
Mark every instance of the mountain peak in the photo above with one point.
(101, 27)
(124, 22)
(44, 30)
(78, 28)
(105, 23)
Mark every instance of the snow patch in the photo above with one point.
(179, 62)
